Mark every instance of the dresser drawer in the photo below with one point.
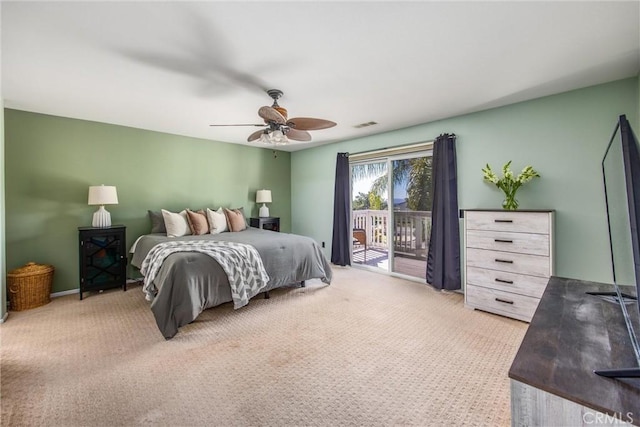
(519, 222)
(526, 243)
(522, 284)
(533, 265)
(513, 305)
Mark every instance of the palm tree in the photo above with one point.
(416, 172)
(360, 202)
(419, 190)
(368, 170)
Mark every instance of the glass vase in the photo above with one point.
(510, 202)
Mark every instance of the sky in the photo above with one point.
(364, 185)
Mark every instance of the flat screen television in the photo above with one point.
(621, 178)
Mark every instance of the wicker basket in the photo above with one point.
(29, 286)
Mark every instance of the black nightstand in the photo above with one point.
(266, 223)
(103, 258)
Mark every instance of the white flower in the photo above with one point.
(507, 183)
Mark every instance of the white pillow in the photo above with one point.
(217, 221)
(176, 223)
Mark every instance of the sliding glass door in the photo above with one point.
(411, 215)
(370, 214)
(391, 213)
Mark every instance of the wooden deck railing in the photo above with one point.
(411, 230)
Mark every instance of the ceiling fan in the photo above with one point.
(278, 128)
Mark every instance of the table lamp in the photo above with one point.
(102, 195)
(263, 196)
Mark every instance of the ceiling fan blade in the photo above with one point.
(298, 135)
(255, 135)
(271, 115)
(242, 124)
(309, 123)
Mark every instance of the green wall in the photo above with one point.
(563, 136)
(51, 162)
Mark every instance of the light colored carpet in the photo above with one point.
(368, 350)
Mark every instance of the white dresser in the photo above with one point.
(508, 260)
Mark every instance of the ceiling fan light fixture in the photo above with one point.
(273, 137)
(277, 137)
(264, 138)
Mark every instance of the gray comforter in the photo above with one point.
(190, 282)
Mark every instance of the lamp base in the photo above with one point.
(264, 211)
(101, 218)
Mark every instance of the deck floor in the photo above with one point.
(377, 257)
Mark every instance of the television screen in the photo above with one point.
(621, 176)
(622, 254)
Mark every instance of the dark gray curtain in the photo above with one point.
(340, 246)
(443, 259)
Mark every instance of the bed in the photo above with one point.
(187, 283)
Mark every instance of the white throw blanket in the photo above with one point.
(241, 262)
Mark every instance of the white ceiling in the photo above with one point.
(177, 67)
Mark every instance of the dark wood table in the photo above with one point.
(266, 223)
(571, 335)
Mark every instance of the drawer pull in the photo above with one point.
(506, 301)
(503, 241)
(506, 261)
(510, 282)
(503, 220)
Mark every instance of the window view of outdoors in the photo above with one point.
(408, 210)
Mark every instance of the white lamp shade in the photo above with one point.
(263, 196)
(103, 195)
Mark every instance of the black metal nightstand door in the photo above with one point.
(103, 259)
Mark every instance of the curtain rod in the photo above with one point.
(423, 144)
(399, 147)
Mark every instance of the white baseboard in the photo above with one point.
(63, 293)
(4, 318)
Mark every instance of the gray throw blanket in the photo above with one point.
(241, 263)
